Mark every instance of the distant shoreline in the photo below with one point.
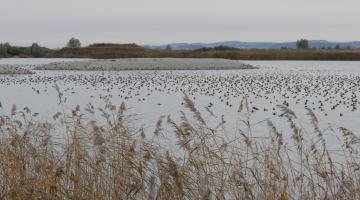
(240, 54)
(135, 51)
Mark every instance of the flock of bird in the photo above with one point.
(323, 93)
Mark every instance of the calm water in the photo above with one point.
(330, 89)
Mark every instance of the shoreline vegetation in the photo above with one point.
(105, 156)
(113, 51)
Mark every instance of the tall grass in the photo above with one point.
(107, 158)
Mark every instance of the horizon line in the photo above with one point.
(183, 42)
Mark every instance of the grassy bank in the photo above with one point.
(109, 158)
(107, 51)
(283, 54)
(135, 51)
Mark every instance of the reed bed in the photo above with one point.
(107, 157)
(111, 51)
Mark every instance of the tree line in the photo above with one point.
(35, 50)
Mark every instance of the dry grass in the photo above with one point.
(128, 51)
(109, 159)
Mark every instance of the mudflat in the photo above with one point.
(14, 69)
(147, 64)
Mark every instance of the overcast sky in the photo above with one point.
(53, 22)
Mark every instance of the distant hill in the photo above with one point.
(257, 45)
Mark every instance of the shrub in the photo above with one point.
(73, 43)
(302, 44)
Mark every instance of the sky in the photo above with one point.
(53, 22)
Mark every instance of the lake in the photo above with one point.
(329, 88)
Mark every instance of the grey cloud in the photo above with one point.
(52, 22)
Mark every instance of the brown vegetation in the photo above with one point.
(110, 50)
(134, 51)
(107, 159)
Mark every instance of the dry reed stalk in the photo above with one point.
(106, 159)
